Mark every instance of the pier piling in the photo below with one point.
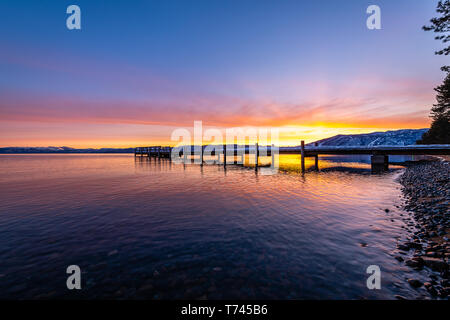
(379, 162)
(201, 155)
(302, 150)
(256, 155)
(224, 154)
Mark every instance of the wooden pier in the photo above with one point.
(155, 151)
(379, 154)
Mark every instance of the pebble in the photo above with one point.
(435, 263)
(415, 283)
(426, 187)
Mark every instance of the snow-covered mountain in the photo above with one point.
(389, 138)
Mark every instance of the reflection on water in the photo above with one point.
(156, 229)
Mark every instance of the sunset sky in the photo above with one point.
(137, 70)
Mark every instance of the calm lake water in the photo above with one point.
(144, 229)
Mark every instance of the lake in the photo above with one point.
(141, 229)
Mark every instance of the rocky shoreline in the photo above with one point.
(426, 188)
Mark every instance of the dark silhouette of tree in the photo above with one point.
(441, 25)
(439, 132)
(442, 107)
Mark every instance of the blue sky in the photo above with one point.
(229, 63)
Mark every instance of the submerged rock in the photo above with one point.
(414, 262)
(435, 263)
(415, 283)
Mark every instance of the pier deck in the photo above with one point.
(379, 154)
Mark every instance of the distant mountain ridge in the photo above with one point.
(389, 138)
(402, 137)
(63, 150)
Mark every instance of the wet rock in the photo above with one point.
(416, 262)
(431, 290)
(414, 245)
(426, 187)
(403, 247)
(431, 254)
(415, 283)
(435, 264)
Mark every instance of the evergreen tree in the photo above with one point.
(442, 108)
(439, 132)
(441, 25)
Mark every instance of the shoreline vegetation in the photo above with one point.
(426, 188)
